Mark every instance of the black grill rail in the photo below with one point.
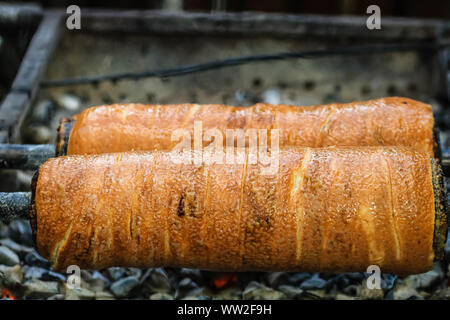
(238, 61)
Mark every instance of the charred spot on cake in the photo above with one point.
(187, 205)
(180, 209)
(32, 209)
(441, 210)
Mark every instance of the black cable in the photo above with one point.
(236, 61)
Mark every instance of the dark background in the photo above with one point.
(398, 8)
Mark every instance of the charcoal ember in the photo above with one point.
(24, 179)
(185, 287)
(122, 287)
(327, 276)
(202, 298)
(388, 281)
(31, 272)
(86, 275)
(341, 281)
(231, 293)
(291, 292)
(341, 296)
(403, 292)
(160, 296)
(97, 285)
(43, 112)
(187, 283)
(3, 231)
(208, 277)
(20, 231)
(97, 282)
(68, 102)
(21, 250)
(51, 275)
(98, 275)
(313, 295)
(79, 293)
(297, 278)
(37, 289)
(104, 295)
(366, 293)
(115, 273)
(389, 295)
(157, 280)
(194, 274)
(199, 297)
(271, 96)
(357, 277)
(3, 271)
(247, 277)
(70, 295)
(38, 134)
(134, 272)
(194, 294)
(425, 280)
(351, 290)
(34, 259)
(242, 96)
(315, 282)
(8, 257)
(258, 291)
(13, 277)
(442, 294)
(275, 279)
(424, 294)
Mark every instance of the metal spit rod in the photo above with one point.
(14, 205)
(25, 156)
(30, 157)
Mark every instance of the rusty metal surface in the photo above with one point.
(257, 24)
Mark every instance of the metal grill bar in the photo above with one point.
(237, 61)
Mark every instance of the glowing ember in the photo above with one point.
(226, 279)
(6, 294)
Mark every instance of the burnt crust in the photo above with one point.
(441, 210)
(33, 210)
(437, 143)
(63, 135)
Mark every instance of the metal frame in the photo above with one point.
(23, 90)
